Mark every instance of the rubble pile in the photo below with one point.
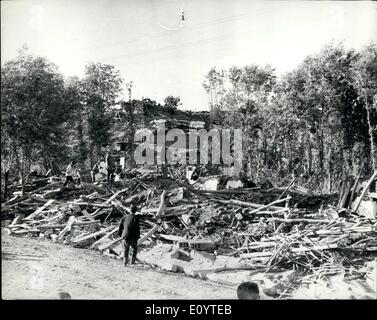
(221, 234)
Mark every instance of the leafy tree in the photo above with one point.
(365, 76)
(101, 86)
(172, 103)
(76, 127)
(33, 111)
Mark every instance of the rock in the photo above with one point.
(234, 184)
(181, 255)
(371, 277)
(62, 295)
(211, 184)
(367, 208)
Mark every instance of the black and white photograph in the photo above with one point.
(188, 150)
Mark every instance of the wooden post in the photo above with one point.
(365, 190)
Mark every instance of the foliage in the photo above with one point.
(172, 103)
(33, 110)
(312, 122)
(101, 86)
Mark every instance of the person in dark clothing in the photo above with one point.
(110, 167)
(129, 231)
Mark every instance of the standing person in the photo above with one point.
(129, 231)
(95, 170)
(78, 176)
(110, 167)
(69, 173)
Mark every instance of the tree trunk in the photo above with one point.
(6, 180)
(22, 179)
(372, 129)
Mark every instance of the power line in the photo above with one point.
(165, 33)
(179, 45)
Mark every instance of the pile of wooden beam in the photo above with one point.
(237, 224)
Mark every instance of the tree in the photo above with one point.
(33, 111)
(172, 103)
(76, 127)
(214, 86)
(101, 86)
(365, 76)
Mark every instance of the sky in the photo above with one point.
(151, 45)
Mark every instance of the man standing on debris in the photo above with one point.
(69, 173)
(129, 231)
(110, 167)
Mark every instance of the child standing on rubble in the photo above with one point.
(69, 173)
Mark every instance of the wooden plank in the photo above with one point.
(245, 204)
(90, 204)
(228, 191)
(295, 250)
(109, 245)
(39, 210)
(95, 244)
(299, 220)
(89, 236)
(87, 215)
(365, 190)
(355, 186)
(67, 228)
(116, 194)
(76, 223)
(15, 221)
(270, 205)
(149, 233)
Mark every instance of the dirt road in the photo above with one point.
(38, 269)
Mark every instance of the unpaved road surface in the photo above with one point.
(38, 269)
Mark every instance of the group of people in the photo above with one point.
(104, 165)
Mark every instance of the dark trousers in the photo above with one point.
(110, 176)
(68, 179)
(127, 243)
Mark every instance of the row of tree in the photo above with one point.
(318, 121)
(46, 117)
(41, 111)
